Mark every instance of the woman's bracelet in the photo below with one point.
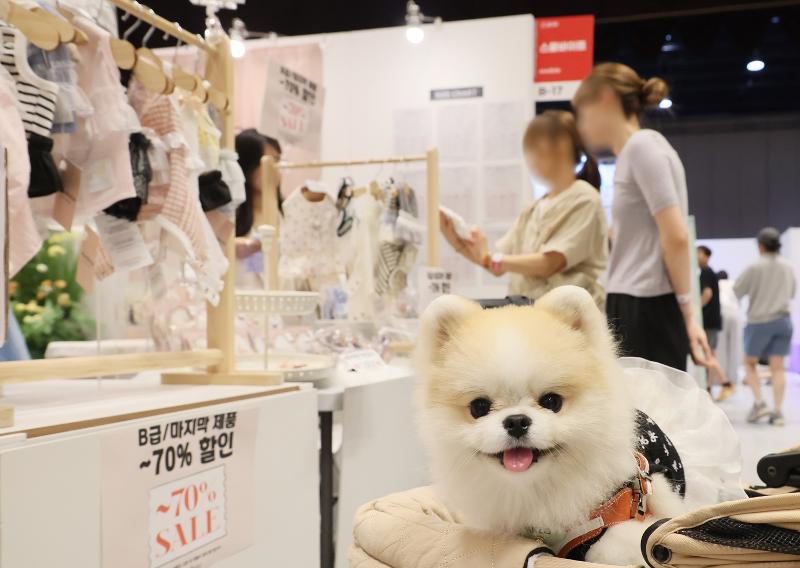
(684, 298)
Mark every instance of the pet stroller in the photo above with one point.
(413, 530)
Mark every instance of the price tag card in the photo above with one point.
(84, 274)
(186, 514)
(124, 242)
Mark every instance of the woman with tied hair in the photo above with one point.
(649, 301)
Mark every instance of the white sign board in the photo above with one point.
(178, 493)
(433, 282)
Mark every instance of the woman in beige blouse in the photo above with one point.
(562, 238)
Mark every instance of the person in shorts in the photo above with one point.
(770, 285)
(712, 320)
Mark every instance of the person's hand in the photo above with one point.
(699, 348)
(477, 247)
(449, 231)
(245, 246)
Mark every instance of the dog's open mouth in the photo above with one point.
(518, 460)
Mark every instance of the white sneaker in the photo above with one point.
(758, 412)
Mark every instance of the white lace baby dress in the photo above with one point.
(700, 431)
(309, 259)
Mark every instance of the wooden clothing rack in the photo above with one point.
(270, 177)
(219, 356)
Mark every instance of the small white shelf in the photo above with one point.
(276, 302)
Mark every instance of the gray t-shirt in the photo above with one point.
(770, 285)
(649, 178)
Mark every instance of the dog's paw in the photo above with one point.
(620, 545)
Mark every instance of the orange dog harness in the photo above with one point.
(628, 503)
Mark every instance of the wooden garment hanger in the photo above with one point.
(375, 190)
(122, 50)
(67, 33)
(33, 26)
(149, 69)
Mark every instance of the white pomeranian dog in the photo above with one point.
(530, 430)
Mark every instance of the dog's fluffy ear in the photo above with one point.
(438, 323)
(576, 307)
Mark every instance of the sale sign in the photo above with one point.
(292, 108)
(564, 55)
(178, 493)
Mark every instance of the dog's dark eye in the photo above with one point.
(551, 401)
(480, 407)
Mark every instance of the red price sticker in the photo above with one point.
(186, 514)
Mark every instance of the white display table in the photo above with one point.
(52, 467)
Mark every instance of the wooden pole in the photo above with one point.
(147, 15)
(82, 367)
(221, 331)
(341, 163)
(432, 207)
(271, 215)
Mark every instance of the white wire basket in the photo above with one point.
(276, 302)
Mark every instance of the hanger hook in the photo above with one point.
(148, 35)
(131, 29)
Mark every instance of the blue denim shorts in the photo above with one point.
(768, 338)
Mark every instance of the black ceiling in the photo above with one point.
(703, 57)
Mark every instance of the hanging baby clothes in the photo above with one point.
(129, 208)
(37, 99)
(233, 176)
(57, 66)
(308, 253)
(100, 144)
(208, 187)
(400, 236)
(361, 281)
(24, 239)
(180, 208)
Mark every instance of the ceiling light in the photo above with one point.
(755, 65)
(665, 104)
(414, 20)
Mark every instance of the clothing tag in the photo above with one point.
(65, 201)
(432, 283)
(84, 275)
(97, 176)
(221, 224)
(361, 360)
(124, 242)
(254, 263)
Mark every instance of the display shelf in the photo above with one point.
(284, 303)
(56, 406)
(295, 367)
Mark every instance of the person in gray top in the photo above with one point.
(649, 302)
(769, 284)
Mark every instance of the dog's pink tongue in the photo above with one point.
(518, 459)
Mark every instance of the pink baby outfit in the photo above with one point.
(99, 146)
(180, 207)
(24, 239)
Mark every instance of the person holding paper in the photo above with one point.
(562, 238)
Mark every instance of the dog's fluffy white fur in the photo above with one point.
(513, 356)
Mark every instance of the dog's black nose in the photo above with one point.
(517, 425)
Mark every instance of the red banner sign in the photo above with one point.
(564, 50)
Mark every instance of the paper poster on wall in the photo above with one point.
(413, 131)
(458, 188)
(503, 125)
(178, 493)
(501, 192)
(292, 108)
(458, 132)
